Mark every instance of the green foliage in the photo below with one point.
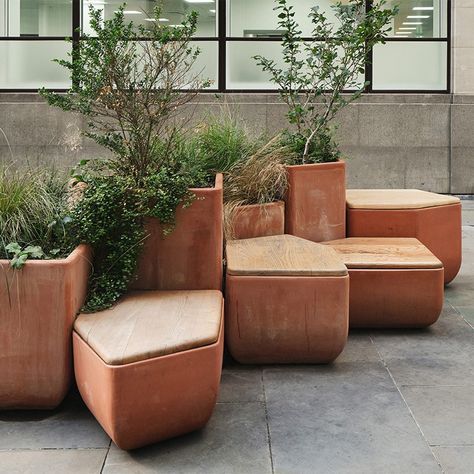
(317, 72)
(222, 142)
(20, 255)
(129, 87)
(33, 213)
(110, 216)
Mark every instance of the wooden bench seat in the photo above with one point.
(394, 282)
(433, 219)
(148, 324)
(149, 368)
(286, 301)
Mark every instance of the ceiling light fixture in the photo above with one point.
(407, 28)
(212, 11)
(418, 16)
(199, 1)
(412, 22)
(130, 12)
(423, 8)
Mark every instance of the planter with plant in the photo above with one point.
(138, 210)
(255, 179)
(313, 84)
(43, 285)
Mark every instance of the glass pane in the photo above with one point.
(36, 18)
(243, 71)
(174, 11)
(256, 18)
(28, 64)
(420, 19)
(206, 63)
(410, 65)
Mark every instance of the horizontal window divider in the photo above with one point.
(200, 38)
(415, 40)
(410, 91)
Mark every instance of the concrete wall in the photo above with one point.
(398, 141)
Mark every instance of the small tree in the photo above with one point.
(320, 70)
(129, 82)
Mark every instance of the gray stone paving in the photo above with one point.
(394, 402)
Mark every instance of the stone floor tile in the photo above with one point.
(69, 426)
(456, 459)
(241, 384)
(234, 442)
(359, 348)
(57, 461)
(467, 312)
(349, 418)
(445, 414)
(440, 355)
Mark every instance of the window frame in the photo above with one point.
(222, 40)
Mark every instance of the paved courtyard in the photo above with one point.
(394, 402)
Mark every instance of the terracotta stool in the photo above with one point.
(286, 301)
(434, 219)
(395, 282)
(149, 368)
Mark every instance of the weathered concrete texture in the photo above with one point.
(407, 141)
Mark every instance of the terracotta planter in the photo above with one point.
(259, 220)
(36, 318)
(316, 201)
(190, 258)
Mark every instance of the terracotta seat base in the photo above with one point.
(286, 320)
(144, 402)
(392, 298)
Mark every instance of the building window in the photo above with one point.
(415, 58)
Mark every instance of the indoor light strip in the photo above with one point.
(130, 12)
(418, 16)
(412, 22)
(404, 32)
(407, 28)
(423, 8)
(199, 1)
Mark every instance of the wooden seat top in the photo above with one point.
(282, 255)
(384, 252)
(148, 324)
(396, 199)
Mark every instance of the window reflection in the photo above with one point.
(36, 18)
(141, 13)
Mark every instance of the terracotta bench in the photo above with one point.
(149, 368)
(394, 282)
(286, 301)
(434, 219)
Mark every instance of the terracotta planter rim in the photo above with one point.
(278, 203)
(218, 184)
(73, 256)
(331, 164)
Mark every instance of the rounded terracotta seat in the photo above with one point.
(394, 282)
(286, 301)
(149, 367)
(434, 219)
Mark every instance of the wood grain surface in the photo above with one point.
(396, 199)
(384, 252)
(147, 324)
(282, 255)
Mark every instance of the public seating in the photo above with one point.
(433, 219)
(394, 282)
(149, 368)
(286, 301)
